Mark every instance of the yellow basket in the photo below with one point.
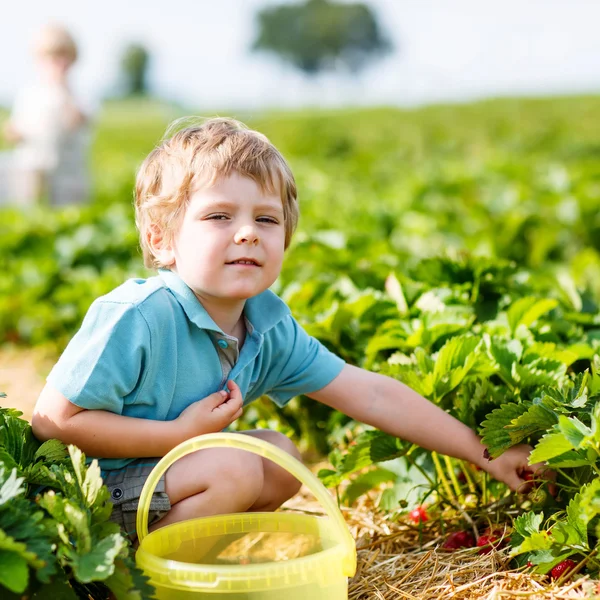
(250, 556)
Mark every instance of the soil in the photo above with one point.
(22, 376)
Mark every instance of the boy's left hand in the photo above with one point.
(512, 468)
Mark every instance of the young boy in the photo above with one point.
(160, 360)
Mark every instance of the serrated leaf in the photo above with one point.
(51, 451)
(88, 477)
(494, 433)
(386, 447)
(570, 459)
(98, 564)
(577, 520)
(528, 523)
(551, 445)
(573, 430)
(370, 447)
(505, 356)
(457, 352)
(579, 392)
(535, 541)
(128, 582)
(537, 418)
(589, 503)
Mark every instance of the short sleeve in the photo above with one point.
(103, 366)
(306, 366)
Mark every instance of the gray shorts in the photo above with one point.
(125, 487)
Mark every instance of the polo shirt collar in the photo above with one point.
(263, 311)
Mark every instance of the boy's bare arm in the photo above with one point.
(109, 435)
(395, 408)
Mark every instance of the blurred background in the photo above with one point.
(461, 132)
(248, 54)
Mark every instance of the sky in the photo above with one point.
(444, 50)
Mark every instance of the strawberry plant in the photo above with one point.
(55, 536)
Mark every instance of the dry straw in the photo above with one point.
(397, 560)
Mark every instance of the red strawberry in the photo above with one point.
(489, 540)
(418, 515)
(562, 567)
(459, 539)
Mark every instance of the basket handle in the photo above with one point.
(264, 449)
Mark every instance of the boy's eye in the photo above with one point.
(268, 220)
(217, 217)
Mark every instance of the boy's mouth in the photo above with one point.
(245, 261)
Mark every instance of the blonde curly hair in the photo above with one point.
(197, 156)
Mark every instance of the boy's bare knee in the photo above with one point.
(283, 483)
(242, 474)
(234, 475)
(279, 440)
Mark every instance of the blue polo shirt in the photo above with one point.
(148, 349)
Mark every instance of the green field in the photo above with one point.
(455, 248)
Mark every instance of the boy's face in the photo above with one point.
(230, 244)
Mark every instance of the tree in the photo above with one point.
(134, 65)
(317, 35)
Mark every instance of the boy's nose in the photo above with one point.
(246, 235)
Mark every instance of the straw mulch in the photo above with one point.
(397, 560)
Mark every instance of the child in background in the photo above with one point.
(49, 131)
(164, 359)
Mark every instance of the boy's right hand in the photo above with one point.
(213, 413)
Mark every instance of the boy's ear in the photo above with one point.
(160, 245)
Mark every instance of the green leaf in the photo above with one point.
(535, 541)
(528, 523)
(394, 288)
(370, 447)
(551, 445)
(386, 447)
(456, 352)
(570, 459)
(98, 564)
(365, 482)
(14, 572)
(403, 493)
(128, 582)
(573, 430)
(577, 520)
(589, 503)
(537, 418)
(494, 433)
(7, 460)
(505, 354)
(11, 488)
(88, 477)
(51, 451)
(526, 311)
(579, 392)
